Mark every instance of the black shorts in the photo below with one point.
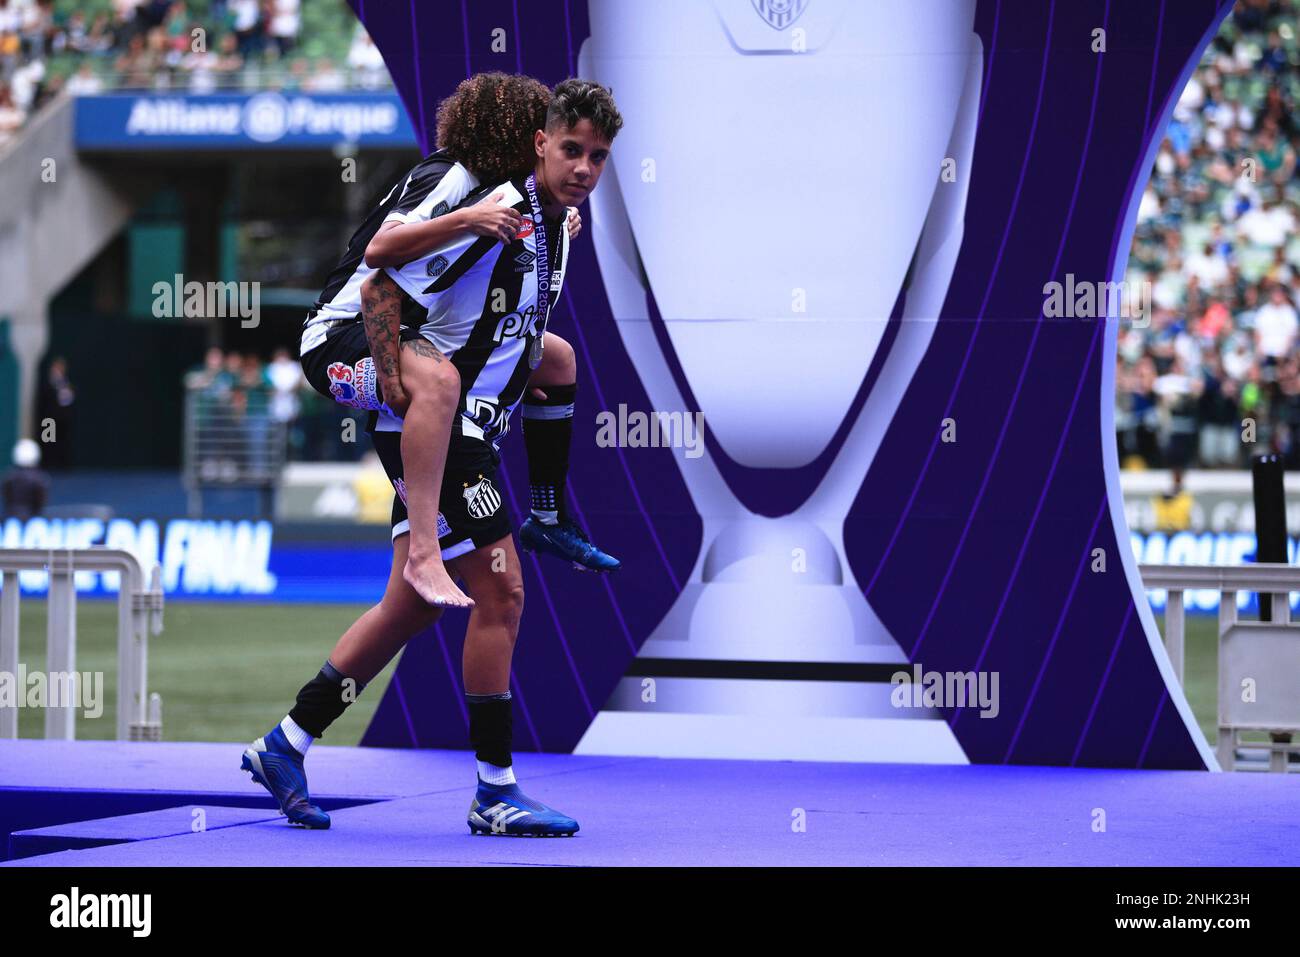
(341, 368)
(471, 512)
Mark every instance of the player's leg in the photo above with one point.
(275, 760)
(433, 385)
(367, 647)
(342, 368)
(548, 433)
(492, 575)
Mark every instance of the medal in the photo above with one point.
(543, 273)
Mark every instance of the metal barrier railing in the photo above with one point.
(139, 614)
(1259, 661)
(232, 439)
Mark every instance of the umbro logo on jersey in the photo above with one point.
(437, 266)
(482, 499)
(524, 261)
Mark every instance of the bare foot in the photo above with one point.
(431, 582)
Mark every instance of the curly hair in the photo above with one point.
(488, 123)
(576, 100)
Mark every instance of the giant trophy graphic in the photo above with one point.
(776, 186)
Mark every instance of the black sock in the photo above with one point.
(548, 432)
(323, 699)
(490, 727)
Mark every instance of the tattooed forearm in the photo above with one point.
(381, 312)
(425, 348)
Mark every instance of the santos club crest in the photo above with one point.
(779, 14)
(482, 499)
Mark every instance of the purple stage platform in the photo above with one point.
(398, 807)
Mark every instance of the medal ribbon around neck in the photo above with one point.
(543, 267)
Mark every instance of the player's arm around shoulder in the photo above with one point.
(397, 243)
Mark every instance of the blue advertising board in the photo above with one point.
(269, 120)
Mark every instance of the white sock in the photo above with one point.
(546, 517)
(491, 774)
(299, 738)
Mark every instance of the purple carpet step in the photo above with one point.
(125, 828)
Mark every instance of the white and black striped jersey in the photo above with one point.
(434, 186)
(481, 300)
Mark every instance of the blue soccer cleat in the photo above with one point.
(566, 540)
(504, 809)
(277, 766)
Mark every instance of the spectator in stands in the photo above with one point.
(24, 84)
(365, 61)
(101, 38)
(326, 78)
(11, 118)
(1225, 325)
(176, 28)
(135, 68)
(283, 18)
(1209, 266)
(229, 60)
(45, 46)
(10, 51)
(25, 487)
(247, 24)
(1276, 157)
(1220, 435)
(1178, 395)
(37, 27)
(127, 22)
(56, 408)
(199, 66)
(253, 403)
(85, 82)
(299, 76)
(1287, 439)
(152, 13)
(286, 380)
(210, 386)
(1276, 325)
(75, 36)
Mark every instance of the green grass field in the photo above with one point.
(227, 671)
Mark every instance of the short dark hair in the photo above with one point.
(575, 100)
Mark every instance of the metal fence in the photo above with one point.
(139, 615)
(232, 439)
(1259, 661)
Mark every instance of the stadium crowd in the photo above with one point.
(240, 393)
(1216, 240)
(185, 46)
